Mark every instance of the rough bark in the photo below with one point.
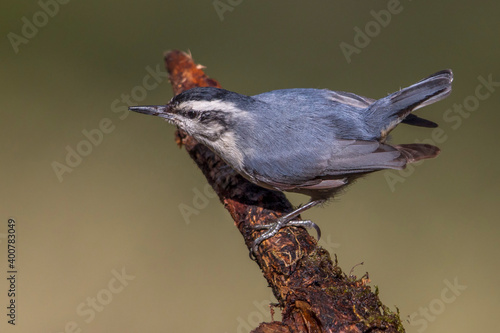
(313, 292)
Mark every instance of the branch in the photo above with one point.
(314, 294)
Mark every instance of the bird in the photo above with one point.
(310, 141)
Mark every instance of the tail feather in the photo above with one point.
(412, 119)
(417, 151)
(386, 113)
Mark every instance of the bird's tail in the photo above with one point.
(414, 152)
(386, 113)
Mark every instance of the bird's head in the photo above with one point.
(206, 113)
(216, 117)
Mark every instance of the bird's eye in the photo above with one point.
(191, 114)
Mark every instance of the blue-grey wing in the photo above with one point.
(326, 167)
(357, 156)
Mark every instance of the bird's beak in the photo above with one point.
(153, 110)
(163, 111)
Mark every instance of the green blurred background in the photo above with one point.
(429, 241)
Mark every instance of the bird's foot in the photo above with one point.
(273, 228)
(285, 221)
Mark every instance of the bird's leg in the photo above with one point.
(285, 221)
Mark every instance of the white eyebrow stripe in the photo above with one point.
(208, 105)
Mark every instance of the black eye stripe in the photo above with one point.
(207, 116)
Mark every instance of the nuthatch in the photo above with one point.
(310, 141)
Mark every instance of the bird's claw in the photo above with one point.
(273, 228)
